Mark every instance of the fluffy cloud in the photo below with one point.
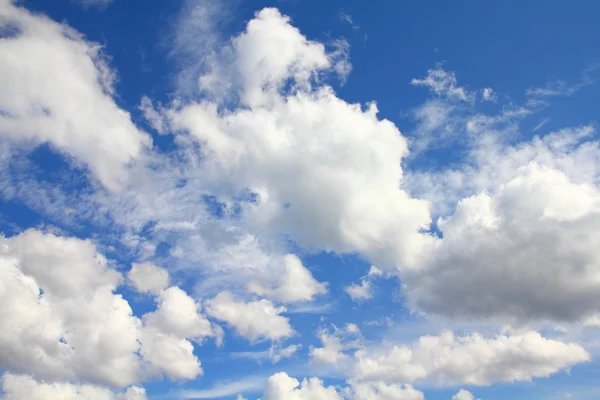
(283, 387)
(57, 89)
(296, 283)
(355, 171)
(61, 317)
(252, 320)
(148, 278)
(474, 359)
(463, 395)
(178, 314)
(63, 321)
(363, 290)
(19, 387)
(529, 251)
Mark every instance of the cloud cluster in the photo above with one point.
(63, 321)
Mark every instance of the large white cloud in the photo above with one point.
(526, 252)
(252, 320)
(474, 359)
(323, 171)
(57, 89)
(63, 321)
(61, 317)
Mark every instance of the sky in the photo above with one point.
(299, 200)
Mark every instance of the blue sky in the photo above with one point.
(296, 200)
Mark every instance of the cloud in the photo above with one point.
(529, 250)
(57, 89)
(274, 353)
(254, 148)
(227, 388)
(62, 319)
(364, 290)
(296, 284)
(360, 292)
(282, 387)
(252, 320)
(463, 395)
(336, 343)
(178, 314)
(450, 360)
(488, 94)
(382, 391)
(148, 278)
(65, 322)
(443, 84)
(19, 387)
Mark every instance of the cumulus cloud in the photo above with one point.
(529, 250)
(57, 89)
(463, 395)
(178, 314)
(474, 359)
(20, 387)
(252, 320)
(148, 278)
(356, 172)
(296, 283)
(283, 387)
(64, 321)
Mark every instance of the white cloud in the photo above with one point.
(382, 391)
(57, 89)
(488, 94)
(463, 395)
(252, 320)
(449, 360)
(77, 327)
(283, 387)
(296, 284)
(178, 314)
(63, 320)
(336, 343)
(274, 353)
(356, 170)
(443, 83)
(362, 291)
(529, 250)
(148, 278)
(169, 354)
(19, 387)
(227, 388)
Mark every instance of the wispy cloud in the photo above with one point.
(250, 384)
(537, 96)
